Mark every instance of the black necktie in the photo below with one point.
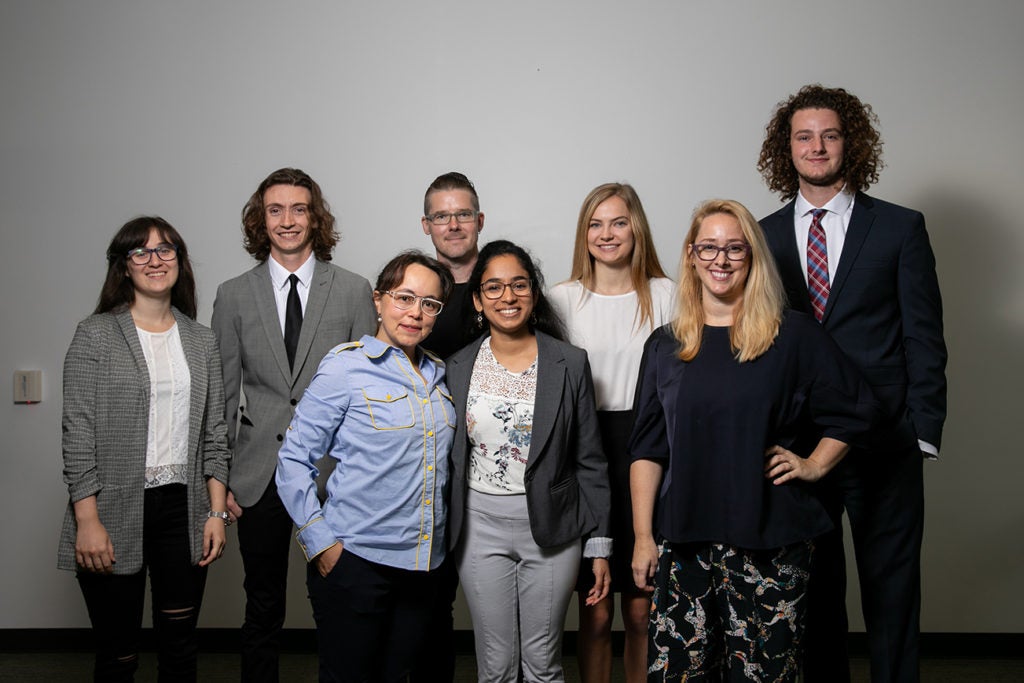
(292, 319)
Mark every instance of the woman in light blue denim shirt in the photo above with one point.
(380, 407)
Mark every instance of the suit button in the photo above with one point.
(280, 437)
(294, 401)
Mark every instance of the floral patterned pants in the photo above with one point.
(721, 613)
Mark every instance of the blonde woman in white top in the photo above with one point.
(616, 296)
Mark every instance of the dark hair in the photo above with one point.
(394, 272)
(118, 291)
(862, 143)
(544, 317)
(321, 221)
(453, 180)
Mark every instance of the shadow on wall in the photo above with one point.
(974, 511)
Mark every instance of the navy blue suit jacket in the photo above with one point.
(884, 310)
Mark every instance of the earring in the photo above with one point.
(533, 318)
(379, 319)
(480, 320)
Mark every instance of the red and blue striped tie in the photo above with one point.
(817, 264)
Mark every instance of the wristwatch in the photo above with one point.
(219, 515)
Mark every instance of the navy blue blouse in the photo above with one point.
(709, 421)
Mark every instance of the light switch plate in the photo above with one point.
(28, 386)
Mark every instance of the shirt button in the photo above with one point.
(430, 468)
(425, 401)
(430, 433)
(426, 537)
(427, 502)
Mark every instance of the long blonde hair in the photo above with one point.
(644, 263)
(759, 314)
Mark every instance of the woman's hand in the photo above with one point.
(326, 560)
(645, 562)
(602, 581)
(93, 550)
(782, 465)
(214, 539)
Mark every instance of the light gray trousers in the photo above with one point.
(517, 592)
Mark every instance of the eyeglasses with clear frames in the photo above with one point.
(143, 255)
(736, 251)
(494, 289)
(404, 301)
(464, 216)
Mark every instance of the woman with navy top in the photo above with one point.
(616, 296)
(380, 408)
(740, 407)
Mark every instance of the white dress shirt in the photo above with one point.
(279, 277)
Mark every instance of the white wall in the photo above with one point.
(115, 108)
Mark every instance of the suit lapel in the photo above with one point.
(198, 371)
(266, 307)
(316, 302)
(546, 404)
(861, 220)
(131, 336)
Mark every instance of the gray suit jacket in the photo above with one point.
(567, 491)
(106, 424)
(339, 309)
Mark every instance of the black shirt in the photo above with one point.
(709, 421)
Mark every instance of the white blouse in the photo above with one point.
(170, 390)
(499, 420)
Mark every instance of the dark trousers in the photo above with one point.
(370, 619)
(115, 601)
(437, 662)
(264, 535)
(883, 495)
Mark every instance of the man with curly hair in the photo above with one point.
(274, 324)
(865, 269)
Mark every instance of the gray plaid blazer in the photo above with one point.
(105, 427)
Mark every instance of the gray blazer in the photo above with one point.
(567, 493)
(106, 426)
(339, 309)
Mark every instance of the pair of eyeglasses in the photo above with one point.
(494, 289)
(446, 218)
(404, 302)
(143, 255)
(709, 252)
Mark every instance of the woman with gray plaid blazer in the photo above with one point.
(145, 454)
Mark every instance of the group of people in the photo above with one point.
(690, 445)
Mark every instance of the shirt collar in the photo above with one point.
(375, 348)
(838, 205)
(279, 274)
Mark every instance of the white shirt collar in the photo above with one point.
(279, 274)
(838, 205)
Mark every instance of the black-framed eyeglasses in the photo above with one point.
(736, 251)
(404, 301)
(464, 216)
(494, 289)
(143, 255)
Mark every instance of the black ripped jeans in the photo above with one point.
(115, 602)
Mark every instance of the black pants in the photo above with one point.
(115, 602)
(437, 662)
(883, 495)
(371, 619)
(264, 536)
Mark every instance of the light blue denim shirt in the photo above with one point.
(391, 433)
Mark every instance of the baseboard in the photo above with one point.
(933, 645)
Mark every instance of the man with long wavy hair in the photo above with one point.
(274, 324)
(865, 269)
